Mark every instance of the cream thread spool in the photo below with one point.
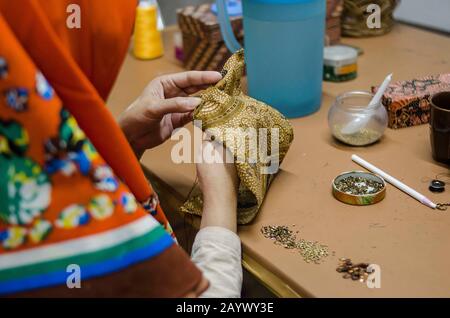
(147, 38)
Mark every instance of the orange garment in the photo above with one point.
(70, 69)
(99, 46)
(60, 203)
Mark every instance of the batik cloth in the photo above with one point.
(257, 135)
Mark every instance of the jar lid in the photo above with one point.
(358, 177)
(339, 54)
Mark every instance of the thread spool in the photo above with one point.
(147, 38)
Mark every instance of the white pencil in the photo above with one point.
(396, 183)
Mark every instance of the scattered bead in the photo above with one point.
(358, 185)
(311, 251)
(359, 271)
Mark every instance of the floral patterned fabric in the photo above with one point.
(60, 202)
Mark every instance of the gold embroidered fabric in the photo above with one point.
(232, 118)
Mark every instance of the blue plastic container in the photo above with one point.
(283, 51)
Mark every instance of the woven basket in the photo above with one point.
(354, 17)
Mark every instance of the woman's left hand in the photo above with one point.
(163, 106)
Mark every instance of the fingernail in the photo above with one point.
(193, 102)
(219, 75)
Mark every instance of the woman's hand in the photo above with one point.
(163, 106)
(219, 183)
(198, 290)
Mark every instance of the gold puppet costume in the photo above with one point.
(248, 129)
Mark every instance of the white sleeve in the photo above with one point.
(217, 252)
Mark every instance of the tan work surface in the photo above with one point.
(408, 240)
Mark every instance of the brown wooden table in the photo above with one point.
(408, 240)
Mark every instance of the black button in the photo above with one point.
(437, 186)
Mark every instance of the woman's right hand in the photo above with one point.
(163, 106)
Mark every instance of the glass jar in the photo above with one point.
(354, 122)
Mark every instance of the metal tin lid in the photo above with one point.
(359, 199)
(337, 55)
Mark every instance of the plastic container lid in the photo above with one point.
(147, 3)
(339, 55)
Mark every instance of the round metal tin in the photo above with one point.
(363, 199)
